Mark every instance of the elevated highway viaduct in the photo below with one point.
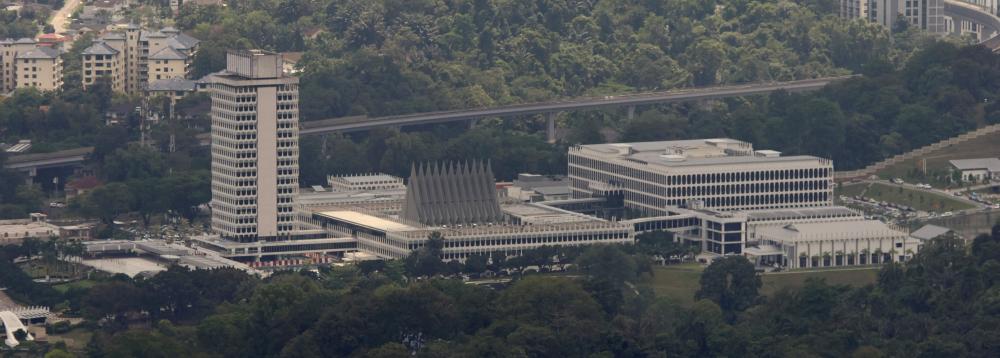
(30, 163)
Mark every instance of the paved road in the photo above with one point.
(932, 191)
(60, 19)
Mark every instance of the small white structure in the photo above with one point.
(365, 182)
(977, 170)
(12, 323)
(13, 232)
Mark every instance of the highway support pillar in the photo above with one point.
(631, 112)
(32, 173)
(550, 132)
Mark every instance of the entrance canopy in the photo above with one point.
(763, 250)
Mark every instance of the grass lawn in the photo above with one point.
(676, 282)
(680, 282)
(62, 288)
(917, 199)
(987, 146)
(76, 340)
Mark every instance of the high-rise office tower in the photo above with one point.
(255, 149)
(927, 15)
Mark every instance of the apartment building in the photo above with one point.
(927, 15)
(134, 58)
(40, 68)
(25, 63)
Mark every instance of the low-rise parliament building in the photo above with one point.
(719, 194)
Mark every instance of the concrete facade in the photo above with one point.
(24, 63)
(927, 15)
(721, 174)
(977, 170)
(255, 149)
(134, 58)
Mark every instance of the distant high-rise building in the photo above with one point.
(255, 149)
(927, 15)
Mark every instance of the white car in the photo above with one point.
(947, 213)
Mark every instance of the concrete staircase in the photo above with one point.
(873, 168)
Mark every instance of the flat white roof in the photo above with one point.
(849, 229)
(368, 178)
(365, 220)
(676, 154)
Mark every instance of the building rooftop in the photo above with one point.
(366, 220)
(47, 53)
(172, 84)
(451, 194)
(542, 214)
(553, 190)
(187, 41)
(100, 48)
(819, 231)
(29, 229)
(531, 181)
(690, 153)
(113, 36)
(989, 164)
(168, 53)
(52, 38)
(802, 213)
(25, 40)
(366, 178)
(929, 231)
(154, 34)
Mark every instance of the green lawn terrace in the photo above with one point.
(680, 282)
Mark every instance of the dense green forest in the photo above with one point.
(941, 303)
(393, 56)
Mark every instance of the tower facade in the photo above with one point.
(255, 149)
